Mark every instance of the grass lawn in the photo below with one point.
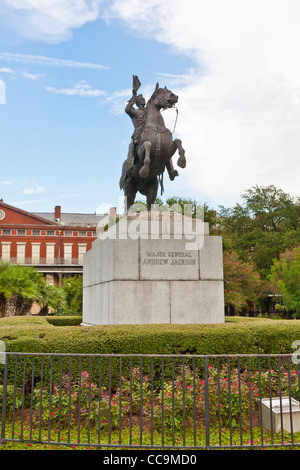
(257, 439)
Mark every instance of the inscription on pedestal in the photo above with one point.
(169, 264)
(171, 258)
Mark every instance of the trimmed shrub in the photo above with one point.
(64, 321)
(43, 335)
(238, 335)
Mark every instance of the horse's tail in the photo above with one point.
(161, 183)
(125, 168)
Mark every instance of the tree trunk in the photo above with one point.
(44, 310)
(2, 305)
(11, 306)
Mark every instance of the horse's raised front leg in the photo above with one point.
(177, 145)
(145, 151)
(171, 171)
(181, 162)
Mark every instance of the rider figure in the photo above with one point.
(138, 117)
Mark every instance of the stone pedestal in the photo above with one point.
(146, 270)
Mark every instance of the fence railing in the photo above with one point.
(35, 261)
(165, 401)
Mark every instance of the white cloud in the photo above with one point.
(48, 61)
(51, 20)
(33, 188)
(7, 71)
(239, 109)
(81, 88)
(32, 76)
(118, 101)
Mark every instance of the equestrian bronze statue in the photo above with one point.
(152, 146)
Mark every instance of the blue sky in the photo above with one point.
(67, 68)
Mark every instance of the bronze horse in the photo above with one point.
(153, 152)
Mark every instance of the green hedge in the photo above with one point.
(64, 321)
(48, 335)
(238, 335)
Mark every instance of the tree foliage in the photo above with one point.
(285, 277)
(73, 290)
(262, 226)
(21, 286)
(242, 283)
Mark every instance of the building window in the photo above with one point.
(68, 253)
(6, 232)
(50, 233)
(6, 251)
(21, 232)
(21, 253)
(82, 234)
(68, 233)
(81, 251)
(50, 253)
(35, 253)
(36, 233)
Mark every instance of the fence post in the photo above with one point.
(4, 398)
(207, 438)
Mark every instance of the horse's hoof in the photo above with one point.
(173, 175)
(181, 162)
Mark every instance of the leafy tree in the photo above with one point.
(73, 291)
(285, 277)
(50, 296)
(20, 287)
(262, 227)
(186, 206)
(242, 283)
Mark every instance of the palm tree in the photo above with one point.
(51, 297)
(3, 266)
(2, 305)
(20, 285)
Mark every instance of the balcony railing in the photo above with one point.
(45, 261)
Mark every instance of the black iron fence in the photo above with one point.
(148, 402)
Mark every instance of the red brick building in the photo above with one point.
(54, 243)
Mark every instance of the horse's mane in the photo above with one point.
(153, 96)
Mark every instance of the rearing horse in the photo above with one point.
(154, 151)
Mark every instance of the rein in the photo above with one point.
(156, 127)
(176, 119)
